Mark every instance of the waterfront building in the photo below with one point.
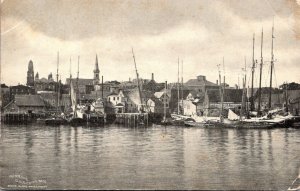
(155, 105)
(5, 95)
(212, 101)
(26, 104)
(200, 84)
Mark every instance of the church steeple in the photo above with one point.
(30, 74)
(37, 76)
(96, 72)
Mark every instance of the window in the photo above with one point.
(117, 98)
(114, 98)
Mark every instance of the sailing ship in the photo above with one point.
(77, 113)
(273, 118)
(58, 118)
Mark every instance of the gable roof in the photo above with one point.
(29, 100)
(196, 82)
(158, 94)
(81, 81)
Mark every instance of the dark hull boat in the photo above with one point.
(76, 121)
(56, 121)
(245, 125)
(166, 122)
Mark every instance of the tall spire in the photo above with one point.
(96, 72)
(96, 65)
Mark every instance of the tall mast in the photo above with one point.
(138, 82)
(260, 72)
(223, 90)
(57, 103)
(252, 80)
(221, 94)
(77, 80)
(182, 82)
(178, 104)
(165, 109)
(101, 87)
(272, 66)
(286, 97)
(244, 100)
(70, 69)
(224, 74)
(245, 86)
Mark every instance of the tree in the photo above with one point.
(290, 86)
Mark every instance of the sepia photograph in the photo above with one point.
(150, 95)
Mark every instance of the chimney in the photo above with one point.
(217, 82)
(129, 79)
(152, 78)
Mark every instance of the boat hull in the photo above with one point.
(77, 121)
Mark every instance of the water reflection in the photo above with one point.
(151, 158)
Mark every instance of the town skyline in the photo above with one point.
(199, 33)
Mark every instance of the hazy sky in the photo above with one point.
(198, 32)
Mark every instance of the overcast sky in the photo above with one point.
(198, 32)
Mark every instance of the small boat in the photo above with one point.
(166, 122)
(195, 124)
(56, 121)
(76, 121)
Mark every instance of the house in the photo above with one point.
(118, 101)
(293, 99)
(163, 97)
(20, 90)
(183, 93)
(5, 95)
(27, 104)
(200, 84)
(232, 99)
(155, 105)
(153, 86)
(98, 106)
(189, 107)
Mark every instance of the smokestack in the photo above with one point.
(152, 78)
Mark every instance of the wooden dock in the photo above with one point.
(16, 118)
(132, 119)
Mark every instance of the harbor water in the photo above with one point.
(155, 157)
